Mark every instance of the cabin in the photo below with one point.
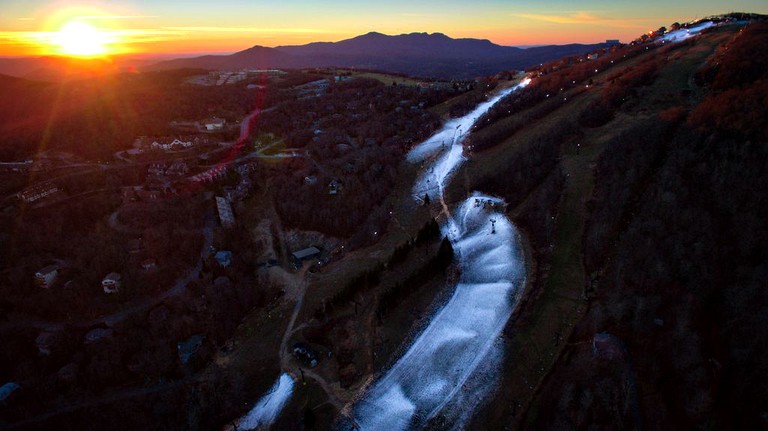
(305, 254)
(334, 187)
(47, 276)
(111, 283)
(38, 191)
(213, 124)
(305, 354)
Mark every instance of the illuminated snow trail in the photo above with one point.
(269, 406)
(686, 33)
(448, 141)
(433, 376)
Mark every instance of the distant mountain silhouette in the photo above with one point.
(257, 56)
(418, 54)
(422, 45)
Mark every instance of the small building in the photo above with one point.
(47, 276)
(38, 191)
(223, 258)
(213, 124)
(305, 354)
(170, 145)
(592, 56)
(334, 187)
(111, 283)
(304, 254)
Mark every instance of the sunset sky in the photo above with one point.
(142, 27)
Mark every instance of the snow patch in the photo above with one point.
(686, 33)
(269, 406)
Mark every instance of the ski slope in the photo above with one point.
(266, 410)
(451, 366)
(686, 33)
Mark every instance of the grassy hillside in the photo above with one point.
(639, 180)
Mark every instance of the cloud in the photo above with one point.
(124, 36)
(580, 18)
(96, 17)
(25, 19)
(27, 37)
(245, 30)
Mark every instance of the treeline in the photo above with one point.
(553, 79)
(623, 171)
(502, 130)
(371, 278)
(676, 243)
(428, 232)
(691, 252)
(437, 264)
(738, 78)
(476, 94)
(533, 162)
(95, 118)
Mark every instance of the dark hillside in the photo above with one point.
(95, 118)
(671, 332)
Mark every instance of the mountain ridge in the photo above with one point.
(429, 55)
(418, 54)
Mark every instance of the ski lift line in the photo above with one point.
(461, 336)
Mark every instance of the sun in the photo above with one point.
(79, 39)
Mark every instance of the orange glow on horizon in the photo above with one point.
(122, 28)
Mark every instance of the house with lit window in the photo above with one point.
(47, 276)
(111, 283)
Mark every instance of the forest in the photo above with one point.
(94, 118)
